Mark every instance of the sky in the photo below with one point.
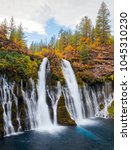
(42, 19)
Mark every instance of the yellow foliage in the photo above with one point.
(58, 53)
(110, 40)
(96, 43)
(83, 39)
(21, 43)
(38, 54)
(45, 50)
(69, 48)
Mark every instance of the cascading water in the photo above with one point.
(7, 106)
(30, 101)
(73, 91)
(107, 95)
(43, 114)
(85, 103)
(23, 110)
(94, 97)
(17, 110)
(54, 95)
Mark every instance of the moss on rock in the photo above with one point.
(111, 110)
(101, 106)
(63, 115)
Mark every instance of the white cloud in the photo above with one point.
(33, 14)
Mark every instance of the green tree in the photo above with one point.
(102, 29)
(62, 43)
(12, 29)
(84, 53)
(4, 29)
(20, 34)
(52, 43)
(76, 37)
(37, 46)
(85, 27)
(41, 44)
(19, 37)
(34, 46)
(93, 35)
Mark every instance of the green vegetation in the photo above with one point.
(111, 110)
(102, 29)
(63, 115)
(88, 48)
(17, 66)
(101, 106)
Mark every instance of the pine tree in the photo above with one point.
(41, 44)
(32, 46)
(12, 29)
(62, 43)
(20, 33)
(102, 29)
(52, 42)
(93, 35)
(85, 27)
(19, 36)
(4, 29)
(77, 36)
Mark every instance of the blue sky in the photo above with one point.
(43, 18)
(51, 29)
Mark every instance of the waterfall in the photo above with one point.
(6, 100)
(54, 95)
(26, 107)
(43, 114)
(88, 108)
(74, 101)
(30, 101)
(17, 109)
(96, 96)
(83, 103)
(107, 95)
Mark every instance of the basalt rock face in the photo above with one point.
(64, 117)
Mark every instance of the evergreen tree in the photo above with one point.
(62, 43)
(41, 44)
(19, 36)
(102, 29)
(76, 36)
(37, 46)
(93, 35)
(4, 29)
(85, 27)
(52, 42)
(20, 33)
(12, 29)
(32, 46)
(69, 37)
